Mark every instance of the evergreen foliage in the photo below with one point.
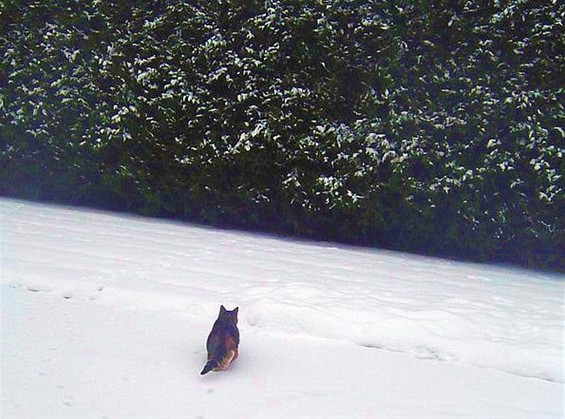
(427, 126)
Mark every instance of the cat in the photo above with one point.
(223, 341)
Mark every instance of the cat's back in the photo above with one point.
(225, 327)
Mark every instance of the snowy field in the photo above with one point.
(107, 315)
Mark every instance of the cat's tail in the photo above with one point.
(210, 365)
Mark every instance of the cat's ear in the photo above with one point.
(235, 310)
(222, 309)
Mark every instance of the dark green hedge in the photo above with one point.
(427, 126)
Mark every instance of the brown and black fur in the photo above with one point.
(223, 341)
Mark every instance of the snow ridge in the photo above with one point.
(486, 316)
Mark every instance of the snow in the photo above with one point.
(106, 315)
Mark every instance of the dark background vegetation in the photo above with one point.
(428, 126)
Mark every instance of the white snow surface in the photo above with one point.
(106, 315)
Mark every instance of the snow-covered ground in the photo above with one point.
(106, 315)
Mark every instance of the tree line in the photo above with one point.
(427, 126)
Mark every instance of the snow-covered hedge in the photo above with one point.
(426, 126)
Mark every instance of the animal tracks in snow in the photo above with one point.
(488, 316)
